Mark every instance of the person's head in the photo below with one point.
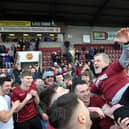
(33, 70)
(39, 82)
(26, 79)
(101, 61)
(30, 66)
(68, 80)
(69, 112)
(5, 85)
(58, 69)
(85, 76)
(18, 67)
(48, 77)
(2, 75)
(59, 78)
(81, 89)
(64, 68)
(50, 94)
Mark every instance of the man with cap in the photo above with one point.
(48, 77)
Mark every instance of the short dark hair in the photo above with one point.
(4, 79)
(26, 73)
(46, 96)
(77, 82)
(62, 109)
(85, 73)
(67, 76)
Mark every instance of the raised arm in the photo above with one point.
(123, 38)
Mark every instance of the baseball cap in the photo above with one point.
(47, 74)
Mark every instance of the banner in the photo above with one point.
(28, 56)
(31, 29)
(15, 23)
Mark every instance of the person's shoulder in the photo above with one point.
(15, 89)
(100, 101)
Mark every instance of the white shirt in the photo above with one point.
(5, 103)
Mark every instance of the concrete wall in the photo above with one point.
(74, 34)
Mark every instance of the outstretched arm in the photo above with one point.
(123, 37)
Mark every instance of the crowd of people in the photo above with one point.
(74, 96)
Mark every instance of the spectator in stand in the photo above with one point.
(1, 61)
(3, 49)
(64, 69)
(85, 76)
(68, 80)
(54, 57)
(31, 47)
(18, 47)
(71, 69)
(27, 95)
(47, 38)
(87, 71)
(24, 48)
(96, 50)
(11, 53)
(37, 44)
(48, 77)
(87, 57)
(60, 80)
(2, 74)
(59, 58)
(9, 73)
(7, 61)
(116, 46)
(101, 50)
(17, 71)
(38, 70)
(77, 56)
(79, 69)
(69, 57)
(33, 71)
(91, 53)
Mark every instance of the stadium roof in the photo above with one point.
(71, 12)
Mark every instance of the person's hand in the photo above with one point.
(33, 93)
(122, 36)
(28, 97)
(44, 116)
(15, 105)
(97, 110)
(124, 124)
(108, 110)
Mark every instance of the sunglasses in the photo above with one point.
(49, 77)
